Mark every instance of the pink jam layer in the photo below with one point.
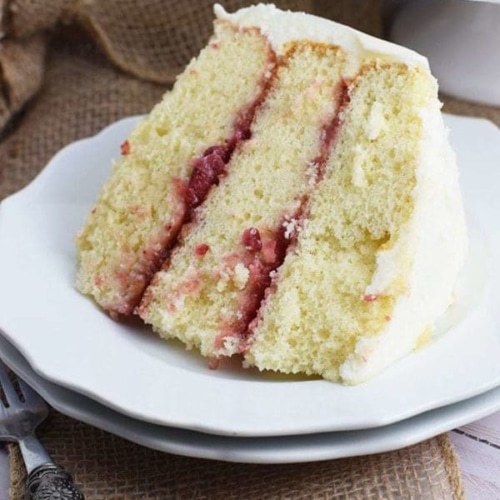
(261, 252)
(206, 172)
(134, 280)
(260, 255)
(331, 129)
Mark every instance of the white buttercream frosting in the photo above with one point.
(435, 240)
(283, 26)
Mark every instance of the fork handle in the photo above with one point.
(50, 481)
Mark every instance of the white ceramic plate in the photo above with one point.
(284, 449)
(68, 341)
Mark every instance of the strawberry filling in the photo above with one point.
(262, 252)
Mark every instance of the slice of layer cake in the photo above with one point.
(215, 279)
(328, 232)
(168, 165)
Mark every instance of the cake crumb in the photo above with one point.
(231, 345)
(125, 148)
(241, 275)
(213, 363)
(311, 173)
(222, 282)
(358, 178)
(201, 249)
(292, 227)
(376, 121)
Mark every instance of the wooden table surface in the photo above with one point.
(478, 449)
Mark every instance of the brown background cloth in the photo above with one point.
(108, 467)
(68, 68)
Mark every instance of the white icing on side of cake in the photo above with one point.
(283, 26)
(436, 237)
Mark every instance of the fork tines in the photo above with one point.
(13, 395)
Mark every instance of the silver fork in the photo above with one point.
(19, 418)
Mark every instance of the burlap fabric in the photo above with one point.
(114, 58)
(109, 468)
(151, 39)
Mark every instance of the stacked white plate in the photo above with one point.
(122, 378)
